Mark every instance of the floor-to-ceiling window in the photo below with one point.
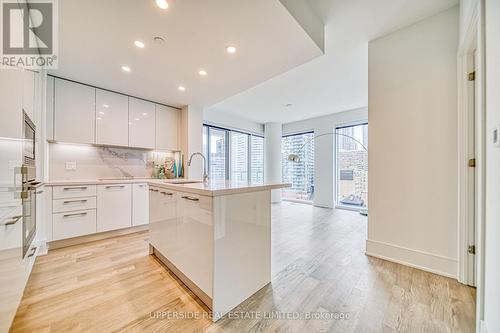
(233, 155)
(300, 173)
(352, 166)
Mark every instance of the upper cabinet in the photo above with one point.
(167, 125)
(111, 118)
(141, 123)
(78, 113)
(74, 112)
(11, 99)
(29, 94)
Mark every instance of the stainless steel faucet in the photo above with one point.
(205, 173)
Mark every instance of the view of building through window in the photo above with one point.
(352, 166)
(300, 174)
(233, 155)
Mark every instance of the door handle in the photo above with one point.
(167, 193)
(76, 214)
(12, 221)
(153, 190)
(32, 252)
(116, 186)
(190, 198)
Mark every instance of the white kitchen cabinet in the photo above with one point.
(74, 191)
(74, 112)
(11, 99)
(73, 224)
(195, 227)
(71, 205)
(167, 125)
(29, 94)
(111, 118)
(114, 207)
(163, 223)
(49, 107)
(178, 219)
(140, 204)
(141, 123)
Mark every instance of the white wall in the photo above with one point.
(226, 120)
(413, 145)
(324, 149)
(492, 243)
(272, 157)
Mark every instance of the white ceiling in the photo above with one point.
(96, 38)
(338, 80)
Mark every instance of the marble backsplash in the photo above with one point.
(101, 162)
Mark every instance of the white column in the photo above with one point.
(192, 140)
(272, 157)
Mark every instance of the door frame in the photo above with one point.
(472, 40)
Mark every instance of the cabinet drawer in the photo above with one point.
(70, 205)
(73, 224)
(68, 192)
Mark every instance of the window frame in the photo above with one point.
(337, 168)
(309, 202)
(227, 161)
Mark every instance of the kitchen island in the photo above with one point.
(215, 237)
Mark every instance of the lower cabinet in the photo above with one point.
(181, 229)
(140, 204)
(114, 207)
(73, 224)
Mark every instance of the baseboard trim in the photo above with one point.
(425, 261)
(94, 237)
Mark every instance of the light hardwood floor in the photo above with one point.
(318, 266)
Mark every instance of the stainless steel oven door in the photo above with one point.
(29, 217)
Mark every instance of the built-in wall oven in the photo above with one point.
(28, 172)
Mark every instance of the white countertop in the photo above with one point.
(213, 188)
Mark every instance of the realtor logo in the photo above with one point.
(29, 32)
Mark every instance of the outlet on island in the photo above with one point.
(71, 166)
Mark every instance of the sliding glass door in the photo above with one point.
(352, 166)
(300, 174)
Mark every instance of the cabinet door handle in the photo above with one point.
(190, 198)
(32, 252)
(39, 192)
(12, 221)
(153, 190)
(77, 214)
(75, 188)
(167, 193)
(74, 201)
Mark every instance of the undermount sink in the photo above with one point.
(183, 181)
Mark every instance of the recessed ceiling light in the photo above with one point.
(126, 68)
(231, 49)
(98, 118)
(100, 112)
(137, 119)
(163, 4)
(105, 106)
(130, 123)
(203, 72)
(139, 44)
(144, 114)
(181, 88)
